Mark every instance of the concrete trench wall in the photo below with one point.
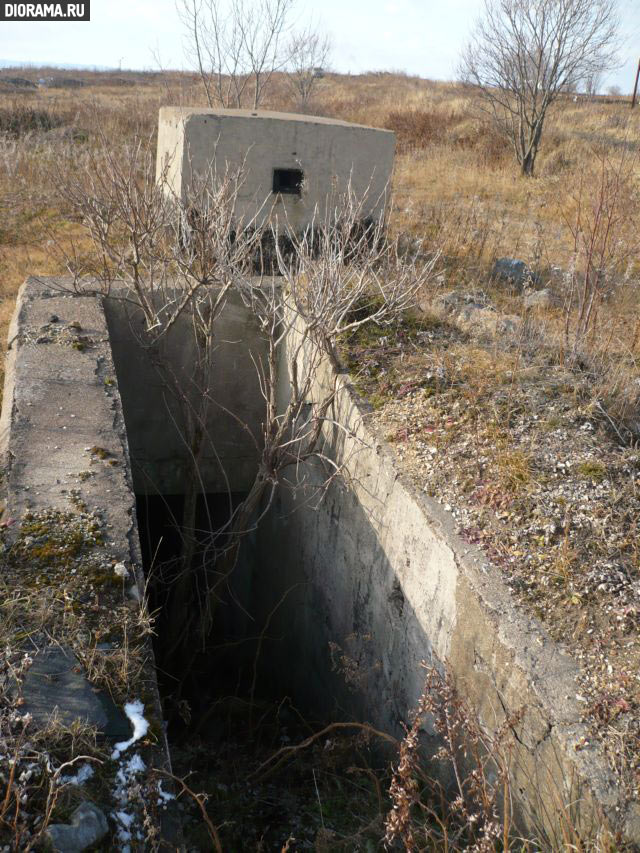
(375, 567)
(153, 417)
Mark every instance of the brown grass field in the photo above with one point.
(519, 406)
(456, 183)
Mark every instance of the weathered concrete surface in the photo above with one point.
(64, 449)
(54, 685)
(155, 418)
(331, 153)
(376, 568)
(379, 569)
(59, 402)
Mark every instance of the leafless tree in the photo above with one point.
(342, 273)
(593, 82)
(236, 46)
(175, 260)
(309, 51)
(524, 53)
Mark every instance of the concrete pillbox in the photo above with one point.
(291, 164)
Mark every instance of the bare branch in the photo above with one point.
(523, 55)
(236, 46)
(310, 52)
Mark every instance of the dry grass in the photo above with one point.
(455, 184)
(58, 587)
(457, 188)
(451, 168)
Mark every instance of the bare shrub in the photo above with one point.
(522, 57)
(592, 83)
(479, 815)
(556, 162)
(417, 128)
(310, 52)
(19, 119)
(600, 216)
(340, 274)
(177, 258)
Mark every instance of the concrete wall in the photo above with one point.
(378, 568)
(65, 460)
(58, 402)
(329, 152)
(154, 418)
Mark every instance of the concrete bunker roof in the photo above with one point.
(186, 112)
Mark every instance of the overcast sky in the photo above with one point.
(421, 37)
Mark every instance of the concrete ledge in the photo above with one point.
(66, 470)
(379, 567)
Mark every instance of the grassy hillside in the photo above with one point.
(456, 184)
(527, 431)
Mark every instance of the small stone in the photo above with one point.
(121, 570)
(455, 300)
(54, 685)
(88, 826)
(513, 271)
(539, 299)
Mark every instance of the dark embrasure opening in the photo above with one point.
(288, 181)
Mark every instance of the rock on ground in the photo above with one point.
(540, 299)
(472, 312)
(88, 826)
(514, 272)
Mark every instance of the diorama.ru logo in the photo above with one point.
(45, 11)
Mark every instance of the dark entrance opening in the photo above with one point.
(227, 717)
(162, 540)
(288, 181)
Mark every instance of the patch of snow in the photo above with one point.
(125, 820)
(85, 772)
(134, 711)
(126, 774)
(164, 796)
(135, 764)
